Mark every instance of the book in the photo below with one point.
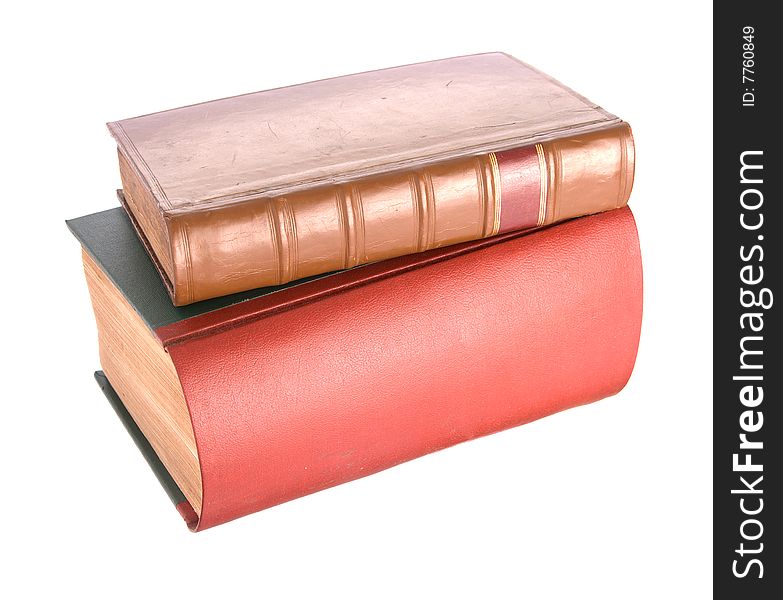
(274, 186)
(258, 398)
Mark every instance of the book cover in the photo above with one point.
(286, 391)
(274, 186)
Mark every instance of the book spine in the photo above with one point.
(270, 241)
(302, 396)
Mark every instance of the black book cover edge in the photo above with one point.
(164, 477)
(110, 239)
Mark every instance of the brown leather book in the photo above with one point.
(270, 187)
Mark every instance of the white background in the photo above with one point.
(612, 500)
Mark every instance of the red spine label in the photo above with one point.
(520, 185)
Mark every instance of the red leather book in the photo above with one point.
(300, 388)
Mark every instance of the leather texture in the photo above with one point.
(357, 372)
(109, 238)
(270, 187)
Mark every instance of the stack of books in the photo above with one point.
(307, 285)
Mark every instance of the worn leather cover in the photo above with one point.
(109, 237)
(308, 386)
(274, 186)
